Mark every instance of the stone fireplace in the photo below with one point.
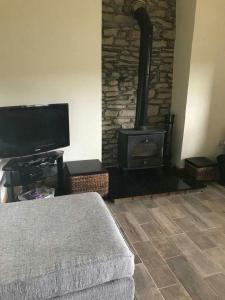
(121, 39)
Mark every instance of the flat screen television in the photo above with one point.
(27, 130)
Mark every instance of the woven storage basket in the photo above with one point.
(90, 183)
(204, 173)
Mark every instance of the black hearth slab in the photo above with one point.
(124, 184)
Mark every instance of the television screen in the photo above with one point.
(26, 130)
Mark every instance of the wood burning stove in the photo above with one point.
(142, 147)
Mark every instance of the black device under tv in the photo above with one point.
(27, 130)
(29, 171)
(27, 134)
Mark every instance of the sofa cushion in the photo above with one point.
(58, 246)
(121, 289)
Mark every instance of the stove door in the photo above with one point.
(145, 151)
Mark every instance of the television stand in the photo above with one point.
(26, 170)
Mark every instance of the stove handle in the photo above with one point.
(147, 140)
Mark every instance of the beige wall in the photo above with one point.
(185, 17)
(51, 52)
(204, 121)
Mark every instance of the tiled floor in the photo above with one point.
(179, 244)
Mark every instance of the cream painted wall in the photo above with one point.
(205, 119)
(202, 116)
(51, 52)
(185, 17)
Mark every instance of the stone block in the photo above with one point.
(164, 96)
(123, 19)
(122, 121)
(111, 94)
(165, 67)
(127, 113)
(119, 2)
(160, 44)
(129, 58)
(162, 4)
(162, 85)
(152, 93)
(106, 17)
(113, 82)
(121, 42)
(164, 111)
(153, 110)
(110, 88)
(128, 125)
(111, 113)
(109, 66)
(160, 13)
(108, 40)
(107, 9)
(169, 34)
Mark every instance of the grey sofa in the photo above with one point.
(63, 248)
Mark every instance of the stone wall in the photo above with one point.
(120, 50)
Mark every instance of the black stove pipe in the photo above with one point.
(146, 27)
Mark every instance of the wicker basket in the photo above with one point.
(90, 183)
(204, 173)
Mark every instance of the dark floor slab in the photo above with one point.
(123, 184)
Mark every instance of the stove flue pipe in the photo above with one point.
(141, 15)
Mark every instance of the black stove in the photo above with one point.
(141, 149)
